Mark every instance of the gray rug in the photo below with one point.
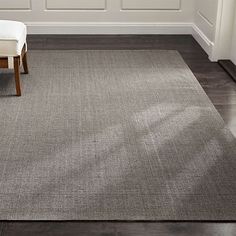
(113, 135)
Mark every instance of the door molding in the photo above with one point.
(224, 30)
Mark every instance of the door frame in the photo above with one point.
(223, 30)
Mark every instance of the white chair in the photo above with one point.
(13, 48)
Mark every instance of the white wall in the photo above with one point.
(101, 16)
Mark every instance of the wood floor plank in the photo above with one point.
(59, 229)
(118, 229)
(1, 228)
(229, 67)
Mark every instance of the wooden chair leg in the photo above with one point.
(25, 64)
(17, 75)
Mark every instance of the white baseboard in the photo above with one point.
(122, 28)
(202, 39)
(108, 28)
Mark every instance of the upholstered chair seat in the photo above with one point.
(13, 48)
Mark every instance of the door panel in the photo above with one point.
(15, 4)
(76, 4)
(151, 4)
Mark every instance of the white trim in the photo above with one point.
(203, 40)
(108, 28)
(224, 30)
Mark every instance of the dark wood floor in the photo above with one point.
(218, 85)
(118, 229)
(229, 67)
